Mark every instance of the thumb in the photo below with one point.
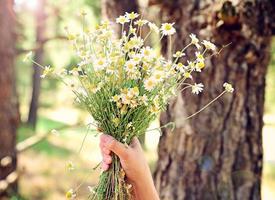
(117, 147)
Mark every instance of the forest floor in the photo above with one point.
(43, 167)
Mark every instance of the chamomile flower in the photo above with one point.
(158, 75)
(153, 27)
(116, 98)
(199, 65)
(167, 29)
(197, 88)
(70, 194)
(191, 65)
(100, 64)
(70, 166)
(187, 75)
(130, 66)
(136, 57)
(47, 70)
(136, 41)
(181, 67)
(145, 67)
(150, 84)
(141, 22)
(148, 54)
(199, 56)
(132, 15)
(122, 19)
(228, 87)
(194, 40)
(209, 45)
(178, 54)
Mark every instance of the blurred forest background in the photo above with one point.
(42, 167)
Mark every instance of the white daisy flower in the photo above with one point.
(122, 19)
(136, 58)
(209, 45)
(228, 87)
(132, 15)
(178, 54)
(136, 41)
(191, 65)
(47, 71)
(150, 84)
(199, 56)
(168, 29)
(181, 67)
(100, 64)
(158, 75)
(141, 22)
(70, 194)
(194, 40)
(70, 166)
(130, 66)
(153, 27)
(197, 88)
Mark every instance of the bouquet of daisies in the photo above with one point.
(124, 84)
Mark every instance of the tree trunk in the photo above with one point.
(9, 113)
(39, 58)
(218, 153)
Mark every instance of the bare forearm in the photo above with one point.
(145, 190)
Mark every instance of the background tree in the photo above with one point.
(218, 154)
(9, 115)
(40, 19)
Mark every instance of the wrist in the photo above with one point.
(145, 189)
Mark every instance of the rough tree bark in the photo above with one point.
(9, 113)
(218, 154)
(40, 16)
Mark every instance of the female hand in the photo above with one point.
(134, 164)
